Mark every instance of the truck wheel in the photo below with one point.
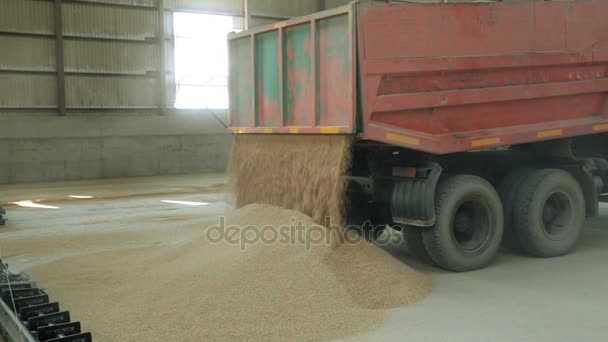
(549, 213)
(469, 227)
(414, 244)
(508, 189)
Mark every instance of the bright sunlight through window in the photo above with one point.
(201, 60)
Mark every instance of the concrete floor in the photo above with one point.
(516, 299)
(118, 216)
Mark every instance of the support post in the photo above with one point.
(162, 70)
(247, 14)
(59, 57)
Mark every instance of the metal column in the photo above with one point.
(59, 60)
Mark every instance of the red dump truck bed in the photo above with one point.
(439, 78)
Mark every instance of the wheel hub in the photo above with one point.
(557, 214)
(471, 227)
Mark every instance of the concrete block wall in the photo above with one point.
(41, 148)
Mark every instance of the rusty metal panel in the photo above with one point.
(85, 20)
(299, 75)
(111, 92)
(27, 53)
(446, 78)
(240, 84)
(335, 63)
(26, 16)
(110, 57)
(299, 88)
(268, 81)
(27, 90)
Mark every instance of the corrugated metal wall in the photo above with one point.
(115, 61)
(335, 3)
(111, 49)
(111, 54)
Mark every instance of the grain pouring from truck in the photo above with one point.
(466, 126)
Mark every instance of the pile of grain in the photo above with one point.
(203, 291)
(301, 284)
(299, 172)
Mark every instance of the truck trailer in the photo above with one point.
(476, 125)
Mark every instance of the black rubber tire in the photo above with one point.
(536, 192)
(414, 243)
(508, 190)
(441, 242)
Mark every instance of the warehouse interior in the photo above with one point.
(117, 164)
(107, 109)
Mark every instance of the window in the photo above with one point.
(201, 60)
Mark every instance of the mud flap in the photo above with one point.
(585, 179)
(413, 199)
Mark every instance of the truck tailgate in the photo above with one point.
(296, 76)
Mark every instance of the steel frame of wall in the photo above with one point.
(59, 36)
(59, 57)
(161, 41)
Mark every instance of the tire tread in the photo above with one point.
(432, 237)
(524, 202)
(414, 244)
(508, 190)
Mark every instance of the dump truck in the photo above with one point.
(476, 126)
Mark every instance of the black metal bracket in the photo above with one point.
(27, 315)
(58, 330)
(2, 219)
(585, 179)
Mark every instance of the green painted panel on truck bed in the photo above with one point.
(298, 87)
(268, 82)
(334, 61)
(241, 95)
(302, 78)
